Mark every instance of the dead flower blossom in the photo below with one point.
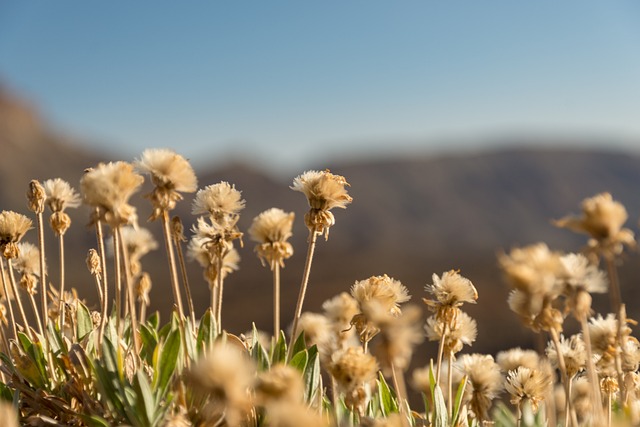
(28, 263)
(271, 230)
(171, 175)
(324, 191)
(220, 201)
(108, 187)
(574, 352)
(354, 372)
(484, 382)
(580, 278)
(463, 331)
(13, 227)
(281, 383)
(450, 291)
(525, 384)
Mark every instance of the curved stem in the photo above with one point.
(43, 279)
(596, 400)
(220, 289)
(61, 307)
(130, 292)
(105, 292)
(303, 287)
(276, 298)
(14, 286)
(118, 278)
(185, 281)
(5, 288)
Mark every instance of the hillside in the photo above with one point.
(410, 218)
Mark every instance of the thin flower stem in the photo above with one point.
(130, 292)
(118, 279)
(335, 399)
(43, 279)
(220, 289)
(276, 298)
(34, 307)
(596, 400)
(5, 288)
(400, 393)
(143, 310)
(621, 318)
(172, 262)
(440, 353)
(14, 286)
(450, 384)
(105, 283)
(185, 281)
(563, 372)
(614, 284)
(303, 288)
(61, 307)
(609, 399)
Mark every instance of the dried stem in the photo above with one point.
(16, 296)
(441, 352)
(105, 292)
(220, 289)
(43, 278)
(130, 292)
(563, 373)
(118, 280)
(303, 287)
(34, 307)
(402, 396)
(5, 288)
(276, 297)
(596, 400)
(61, 308)
(450, 384)
(185, 281)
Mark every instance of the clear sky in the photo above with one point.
(290, 82)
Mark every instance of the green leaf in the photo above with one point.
(84, 324)
(154, 320)
(258, 353)
(149, 339)
(457, 403)
(145, 398)
(299, 360)
(168, 360)
(300, 344)
(312, 377)
(388, 402)
(206, 331)
(279, 350)
(95, 421)
(440, 415)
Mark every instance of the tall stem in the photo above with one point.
(276, 298)
(220, 289)
(34, 307)
(43, 279)
(440, 353)
(596, 400)
(563, 372)
(185, 281)
(400, 393)
(130, 292)
(105, 283)
(303, 287)
(14, 286)
(5, 288)
(118, 280)
(450, 384)
(614, 286)
(61, 308)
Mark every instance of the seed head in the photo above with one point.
(108, 187)
(574, 352)
(527, 384)
(60, 195)
(463, 330)
(324, 192)
(13, 226)
(282, 383)
(510, 360)
(220, 201)
(383, 290)
(398, 337)
(484, 382)
(93, 263)
(36, 197)
(449, 291)
(271, 230)
(139, 242)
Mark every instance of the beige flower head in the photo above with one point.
(324, 192)
(220, 201)
(13, 227)
(449, 292)
(108, 187)
(462, 331)
(398, 337)
(36, 197)
(171, 174)
(527, 384)
(383, 290)
(271, 230)
(484, 382)
(285, 414)
(510, 360)
(60, 195)
(316, 329)
(579, 279)
(282, 383)
(139, 242)
(199, 250)
(354, 371)
(574, 352)
(532, 269)
(602, 219)
(28, 260)
(340, 310)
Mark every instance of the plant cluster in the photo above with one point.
(63, 363)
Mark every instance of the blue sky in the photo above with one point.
(288, 83)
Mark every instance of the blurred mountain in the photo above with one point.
(410, 218)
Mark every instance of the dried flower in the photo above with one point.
(285, 414)
(109, 186)
(353, 371)
(602, 218)
(28, 263)
(93, 263)
(383, 290)
(316, 329)
(60, 195)
(527, 384)
(510, 360)
(463, 330)
(484, 382)
(220, 201)
(271, 230)
(450, 292)
(143, 287)
(13, 227)
(138, 242)
(340, 310)
(574, 352)
(399, 335)
(282, 383)
(324, 192)
(171, 175)
(580, 278)
(36, 197)
(198, 250)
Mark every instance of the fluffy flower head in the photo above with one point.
(271, 230)
(383, 290)
(218, 200)
(60, 195)
(13, 226)
(168, 169)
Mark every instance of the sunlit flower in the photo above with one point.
(383, 290)
(449, 292)
(271, 230)
(281, 383)
(527, 384)
(510, 360)
(353, 371)
(484, 382)
(138, 242)
(28, 263)
(60, 195)
(463, 331)
(109, 186)
(13, 226)
(324, 192)
(574, 352)
(219, 201)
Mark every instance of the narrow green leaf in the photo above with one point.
(312, 377)
(154, 320)
(95, 421)
(279, 350)
(149, 339)
(299, 360)
(457, 403)
(168, 360)
(144, 392)
(206, 331)
(84, 324)
(440, 416)
(388, 402)
(300, 344)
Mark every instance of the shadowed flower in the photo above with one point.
(28, 263)
(463, 330)
(198, 250)
(510, 360)
(526, 384)
(450, 292)
(109, 186)
(340, 310)
(353, 371)
(13, 227)
(484, 382)
(316, 330)
(602, 219)
(399, 335)
(574, 352)
(580, 278)
(171, 174)
(271, 230)
(324, 191)
(285, 414)
(138, 242)
(281, 383)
